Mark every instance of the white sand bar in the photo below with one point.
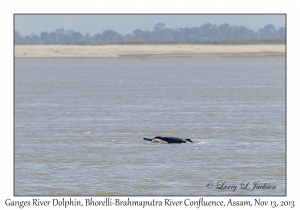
(148, 51)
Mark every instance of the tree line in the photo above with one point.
(207, 33)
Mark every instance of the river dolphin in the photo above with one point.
(169, 139)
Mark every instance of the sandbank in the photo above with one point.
(148, 51)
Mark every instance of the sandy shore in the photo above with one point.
(148, 51)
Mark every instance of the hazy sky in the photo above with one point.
(124, 24)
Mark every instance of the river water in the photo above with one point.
(79, 126)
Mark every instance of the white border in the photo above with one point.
(34, 6)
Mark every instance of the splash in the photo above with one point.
(158, 141)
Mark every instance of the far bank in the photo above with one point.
(148, 51)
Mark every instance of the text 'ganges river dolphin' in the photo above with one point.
(170, 139)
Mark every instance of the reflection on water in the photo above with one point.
(79, 126)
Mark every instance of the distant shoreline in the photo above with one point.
(148, 51)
